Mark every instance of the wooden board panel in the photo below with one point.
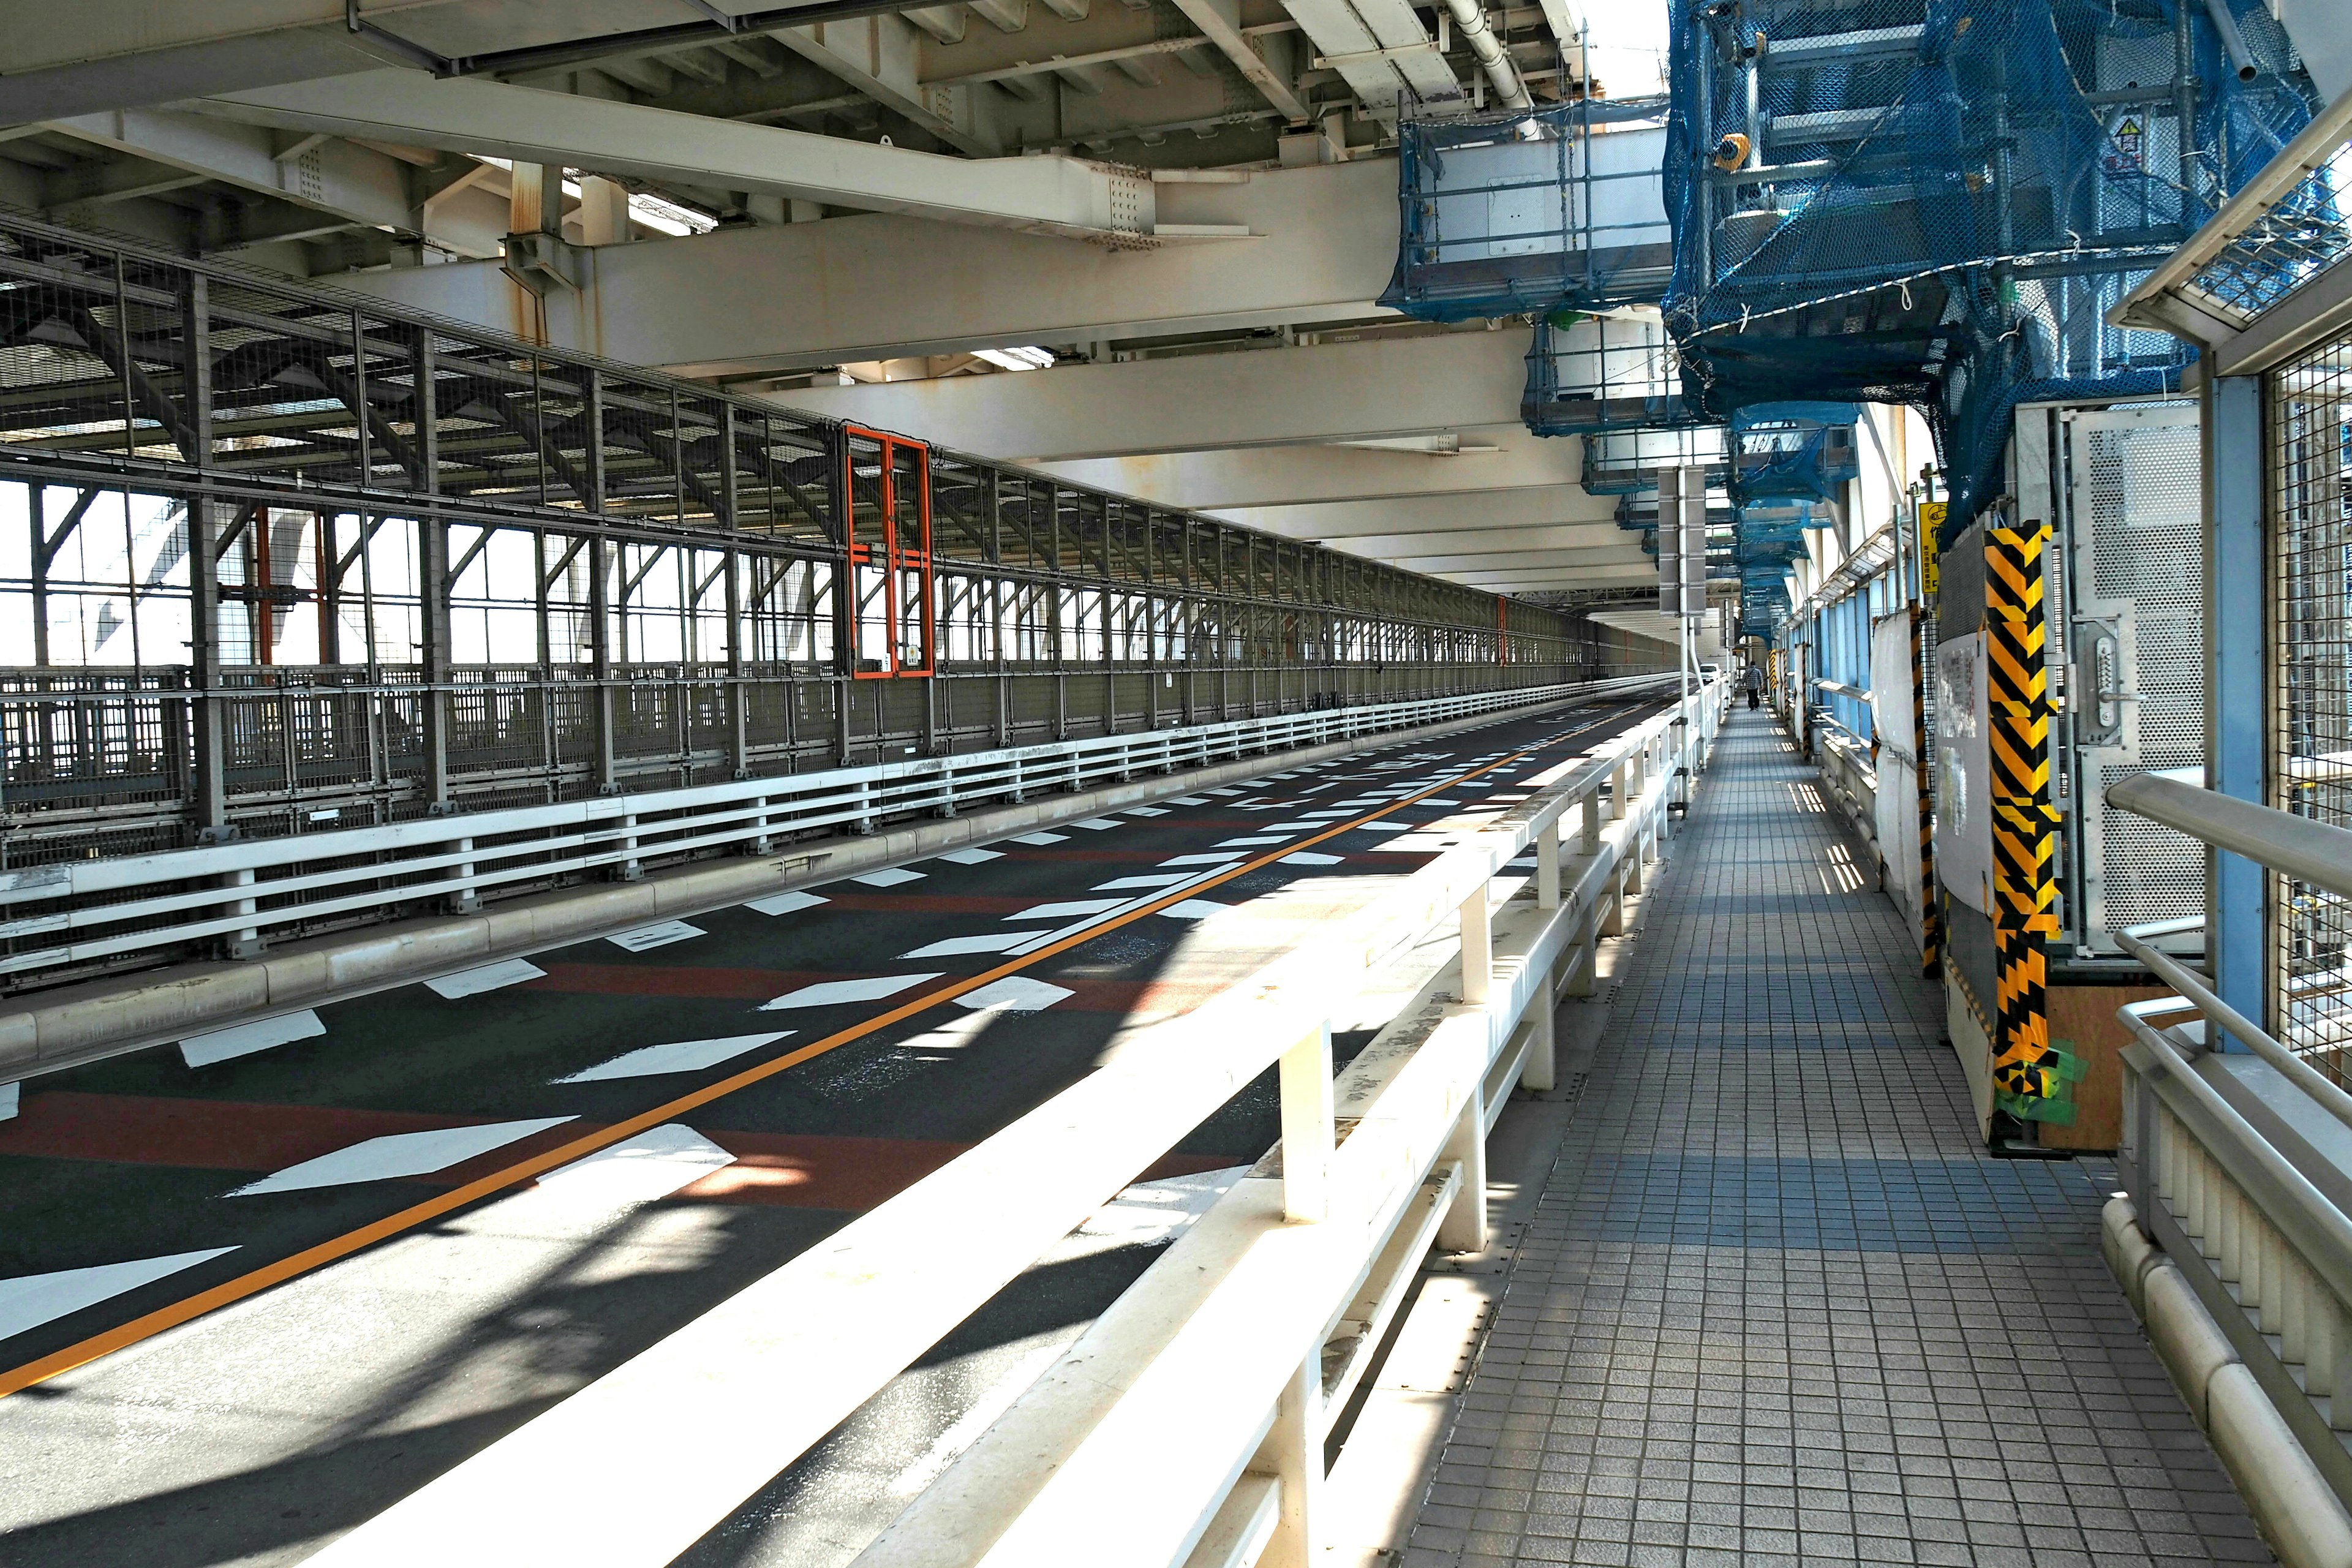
(2082, 1021)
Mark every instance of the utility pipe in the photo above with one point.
(2225, 22)
(1470, 21)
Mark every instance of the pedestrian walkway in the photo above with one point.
(1776, 1305)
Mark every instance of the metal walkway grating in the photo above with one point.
(1775, 1304)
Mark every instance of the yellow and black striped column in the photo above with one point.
(2032, 1080)
(1931, 915)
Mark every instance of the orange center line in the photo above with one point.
(186, 1309)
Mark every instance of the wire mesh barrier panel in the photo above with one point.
(1508, 213)
(1925, 202)
(2311, 597)
(277, 563)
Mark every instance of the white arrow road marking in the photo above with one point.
(488, 977)
(400, 1154)
(222, 1044)
(31, 1299)
(684, 1055)
(829, 993)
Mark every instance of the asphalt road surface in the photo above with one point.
(260, 1285)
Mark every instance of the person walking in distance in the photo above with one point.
(1755, 685)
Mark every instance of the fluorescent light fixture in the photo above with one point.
(1016, 359)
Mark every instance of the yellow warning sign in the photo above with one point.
(1931, 528)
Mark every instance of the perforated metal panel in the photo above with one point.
(2137, 649)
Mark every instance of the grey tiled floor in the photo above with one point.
(1776, 1305)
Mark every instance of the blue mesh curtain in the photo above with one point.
(1935, 201)
(1524, 211)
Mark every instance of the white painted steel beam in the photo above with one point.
(1047, 194)
(62, 60)
(1383, 388)
(333, 176)
(1493, 458)
(1565, 510)
(745, 301)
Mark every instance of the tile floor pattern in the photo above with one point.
(1776, 1305)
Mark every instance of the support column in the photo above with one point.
(1477, 947)
(208, 713)
(1309, 1129)
(2238, 643)
(1292, 1453)
(209, 782)
(432, 656)
(2032, 1080)
(600, 599)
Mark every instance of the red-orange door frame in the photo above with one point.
(897, 557)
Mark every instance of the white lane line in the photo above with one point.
(1063, 912)
(1307, 827)
(1013, 994)
(681, 1056)
(488, 977)
(1123, 883)
(1190, 800)
(1086, 926)
(400, 1154)
(261, 1034)
(1228, 791)
(952, 1036)
(1099, 824)
(1144, 811)
(889, 877)
(784, 903)
(31, 1299)
(10, 1098)
(640, 1170)
(1253, 842)
(1195, 909)
(1226, 860)
(1385, 828)
(1043, 839)
(645, 938)
(1309, 857)
(981, 942)
(973, 856)
(831, 992)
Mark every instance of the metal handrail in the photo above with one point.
(2191, 987)
(2293, 845)
(780, 1365)
(2322, 1231)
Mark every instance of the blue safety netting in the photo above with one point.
(1935, 201)
(1522, 212)
(1794, 450)
(1624, 462)
(1588, 373)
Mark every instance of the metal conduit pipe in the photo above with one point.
(2225, 22)
(1470, 21)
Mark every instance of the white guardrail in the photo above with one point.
(238, 892)
(1186, 1428)
(1851, 774)
(2238, 1165)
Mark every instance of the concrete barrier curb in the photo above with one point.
(2289, 1497)
(73, 1026)
(2129, 1253)
(2186, 1336)
(2291, 1502)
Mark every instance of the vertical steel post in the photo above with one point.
(2031, 1079)
(2240, 643)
